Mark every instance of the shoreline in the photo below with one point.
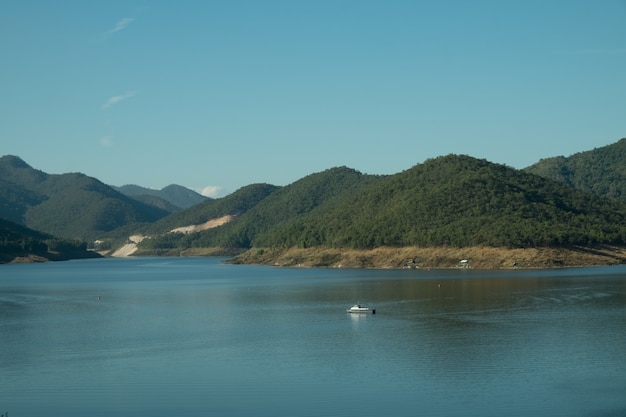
(475, 257)
(436, 258)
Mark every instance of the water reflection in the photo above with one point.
(201, 338)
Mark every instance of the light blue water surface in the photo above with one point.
(196, 337)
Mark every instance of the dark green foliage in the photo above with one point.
(70, 205)
(268, 209)
(462, 201)
(15, 201)
(448, 201)
(292, 204)
(601, 171)
(20, 241)
(305, 198)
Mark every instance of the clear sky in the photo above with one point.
(222, 94)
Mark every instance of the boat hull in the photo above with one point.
(361, 311)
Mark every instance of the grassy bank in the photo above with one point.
(444, 257)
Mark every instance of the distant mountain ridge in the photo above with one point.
(67, 205)
(177, 195)
(600, 171)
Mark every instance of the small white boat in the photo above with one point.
(359, 309)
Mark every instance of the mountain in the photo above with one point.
(454, 201)
(158, 202)
(280, 208)
(600, 171)
(259, 209)
(70, 205)
(235, 204)
(21, 243)
(461, 201)
(176, 195)
(292, 204)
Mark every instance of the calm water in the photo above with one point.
(194, 337)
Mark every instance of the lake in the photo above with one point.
(197, 337)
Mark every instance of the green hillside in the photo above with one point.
(71, 206)
(279, 208)
(454, 201)
(19, 242)
(235, 204)
(288, 205)
(600, 171)
(462, 201)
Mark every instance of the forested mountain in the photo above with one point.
(448, 201)
(451, 201)
(176, 195)
(462, 201)
(68, 205)
(18, 241)
(235, 204)
(601, 171)
(280, 208)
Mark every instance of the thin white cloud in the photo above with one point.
(211, 191)
(116, 99)
(121, 25)
(106, 142)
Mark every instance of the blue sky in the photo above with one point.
(222, 94)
